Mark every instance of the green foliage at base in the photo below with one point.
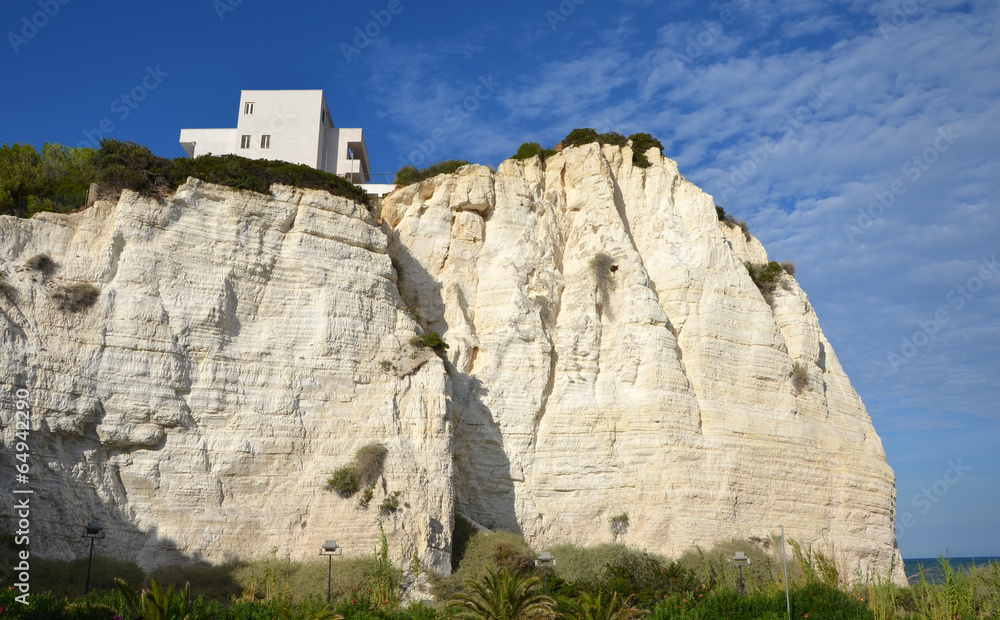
(408, 175)
(532, 149)
(640, 142)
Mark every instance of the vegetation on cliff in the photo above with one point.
(58, 179)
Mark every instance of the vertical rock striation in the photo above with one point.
(611, 354)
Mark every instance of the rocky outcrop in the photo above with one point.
(609, 354)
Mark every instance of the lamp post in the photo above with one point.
(741, 560)
(330, 549)
(546, 561)
(93, 531)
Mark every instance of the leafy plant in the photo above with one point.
(644, 576)
(345, 480)
(532, 149)
(408, 175)
(502, 596)
(431, 340)
(387, 366)
(76, 297)
(385, 581)
(591, 607)
(155, 603)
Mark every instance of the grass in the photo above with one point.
(766, 277)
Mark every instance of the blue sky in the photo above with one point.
(859, 139)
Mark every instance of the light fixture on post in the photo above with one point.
(330, 549)
(545, 561)
(741, 560)
(93, 531)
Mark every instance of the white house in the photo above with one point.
(287, 125)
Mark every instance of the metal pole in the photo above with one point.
(329, 574)
(546, 581)
(742, 591)
(784, 560)
(89, 561)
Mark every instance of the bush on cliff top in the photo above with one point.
(641, 142)
(408, 175)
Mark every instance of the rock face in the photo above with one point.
(609, 354)
(231, 362)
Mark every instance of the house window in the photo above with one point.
(248, 107)
(245, 142)
(265, 142)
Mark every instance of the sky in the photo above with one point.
(859, 139)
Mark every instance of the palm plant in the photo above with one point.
(587, 607)
(156, 603)
(503, 596)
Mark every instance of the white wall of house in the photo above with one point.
(286, 125)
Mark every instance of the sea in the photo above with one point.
(932, 567)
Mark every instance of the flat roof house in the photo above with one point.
(287, 125)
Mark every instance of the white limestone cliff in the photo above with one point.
(244, 346)
(666, 395)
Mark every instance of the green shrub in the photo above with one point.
(259, 174)
(370, 462)
(76, 297)
(127, 165)
(431, 340)
(766, 277)
(366, 496)
(714, 566)
(583, 565)
(613, 138)
(345, 480)
(42, 263)
(408, 175)
(579, 137)
(642, 142)
(390, 504)
(645, 577)
(483, 552)
(528, 150)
